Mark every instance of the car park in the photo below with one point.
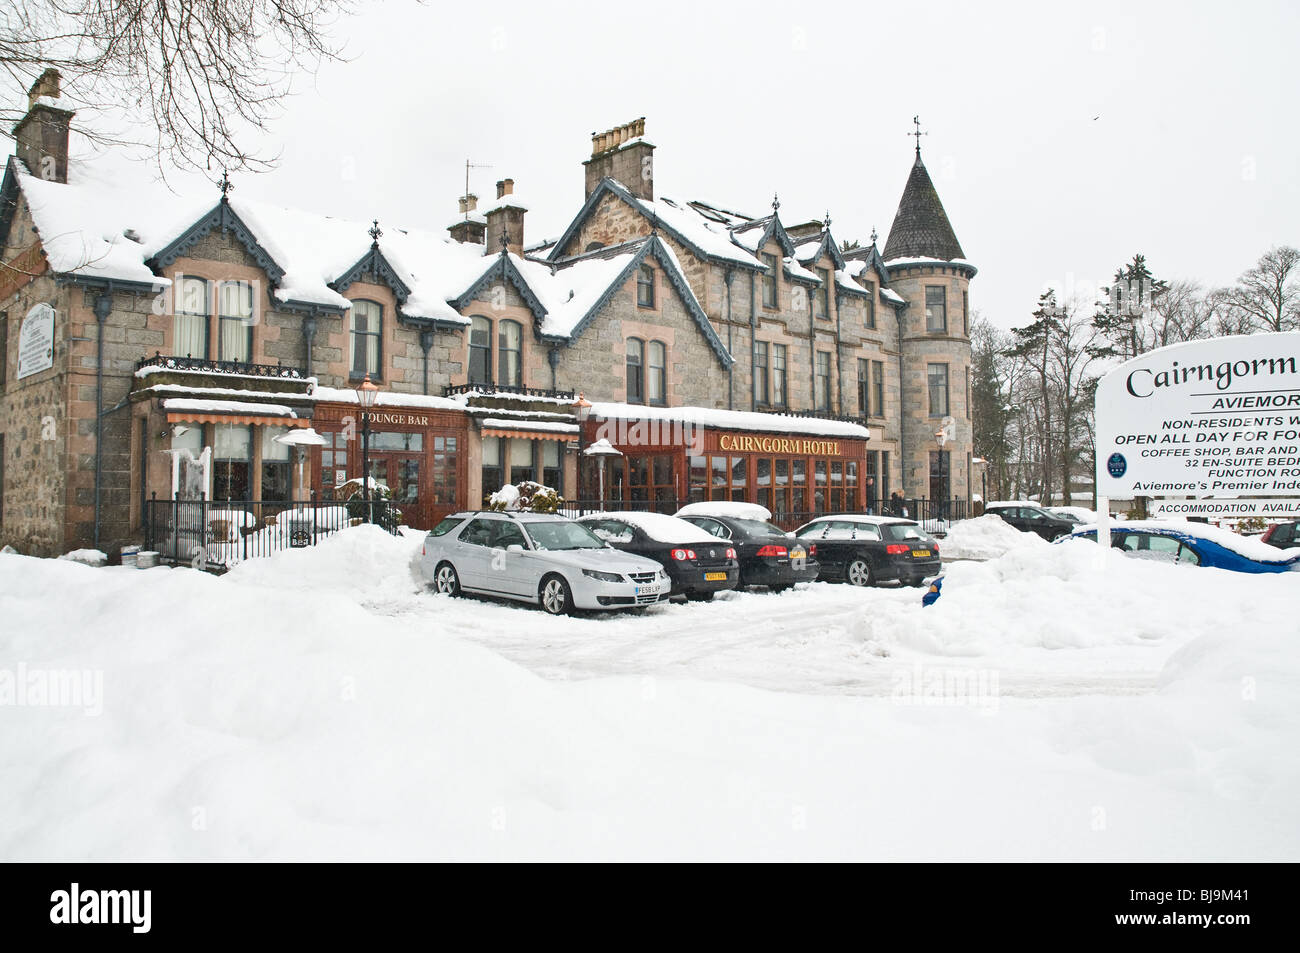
(768, 555)
(1029, 517)
(698, 563)
(538, 558)
(868, 550)
(1193, 544)
(1282, 535)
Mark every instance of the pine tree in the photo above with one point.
(1133, 294)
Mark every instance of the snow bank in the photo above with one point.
(87, 557)
(986, 537)
(735, 510)
(1074, 595)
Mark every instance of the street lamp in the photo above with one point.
(366, 395)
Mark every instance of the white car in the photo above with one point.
(539, 558)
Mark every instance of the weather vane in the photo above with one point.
(917, 122)
(374, 231)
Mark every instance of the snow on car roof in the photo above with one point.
(727, 508)
(1248, 546)
(860, 518)
(993, 503)
(658, 526)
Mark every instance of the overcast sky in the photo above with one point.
(1063, 138)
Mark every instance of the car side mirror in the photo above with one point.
(514, 548)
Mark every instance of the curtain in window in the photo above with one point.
(510, 344)
(235, 307)
(191, 327)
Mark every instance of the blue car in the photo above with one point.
(1194, 544)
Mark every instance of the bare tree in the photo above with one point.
(1267, 297)
(203, 75)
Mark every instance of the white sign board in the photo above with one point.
(1229, 509)
(1207, 418)
(36, 341)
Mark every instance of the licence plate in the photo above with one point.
(919, 553)
(797, 554)
(647, 590)
(715, 576)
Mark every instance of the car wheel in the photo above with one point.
(555, 596)
(445, 580)
(694, 596)
(858, 573)
(783, 587)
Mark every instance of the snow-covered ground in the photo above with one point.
(1058, 702)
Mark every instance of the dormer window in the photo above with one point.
(869, 316)
(367, 337)
(235, 324)
(190, 331)
(769, 280)
(822, 298)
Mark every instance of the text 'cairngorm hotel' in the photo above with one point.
(723, 355)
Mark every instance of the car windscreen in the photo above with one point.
(555, 536)
(904, 531)
(757, 528)
(446, 526)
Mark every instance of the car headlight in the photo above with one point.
(663, 574)
(602, 576)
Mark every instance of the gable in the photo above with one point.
(223, 219)
(374, 265)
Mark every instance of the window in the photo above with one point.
(878, 388)
(645, 287)
(553, 465)
(823, 381)
(235, 308)
(190, 331)
(480, 350)
(864, 387)
(232, 455)
(510, 336)
(936, 309)
(760, 373)
(823, 294)
(493, 477)
(656, 372)
(937, 376)
(968, 391)
(769, 280)
(523, 464)
(965, 313)
(870, 313)
(778, 375)
(635, 371)
(275, 466)
(367, 325)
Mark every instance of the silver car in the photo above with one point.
(540, 558)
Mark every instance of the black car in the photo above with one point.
(768, 556)
(1030, 518)
(866, 550)
(1282, 535)
(698, 563)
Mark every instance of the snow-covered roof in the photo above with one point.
(192, 405)
(518, 423)
(659, 527)
(388, 398)
(732, 419)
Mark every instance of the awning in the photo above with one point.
(528, 429)
(200, 411)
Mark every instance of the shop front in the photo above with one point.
(419, 454)
(796, 475)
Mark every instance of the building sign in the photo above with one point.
(36, 341)
(795, 446)
(398, 420)
(1228, 509)
(1208, 418)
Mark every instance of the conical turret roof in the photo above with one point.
(921, 228)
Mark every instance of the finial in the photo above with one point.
(654, 222)
(225, 185)
(776, 203)
(873, 234)
(374, 231)
(505, 241)
(916, 120)
(826, 222)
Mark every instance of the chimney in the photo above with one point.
(506, 217)
(622, 153)
(468, 230)
(41, 137)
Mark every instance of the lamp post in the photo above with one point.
(366, 394)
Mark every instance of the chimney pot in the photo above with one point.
(509, 186)
(471, 202)
(464, 204)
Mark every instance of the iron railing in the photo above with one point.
(453, 389)
(216, 535)
(174, 362)
(815, 415)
